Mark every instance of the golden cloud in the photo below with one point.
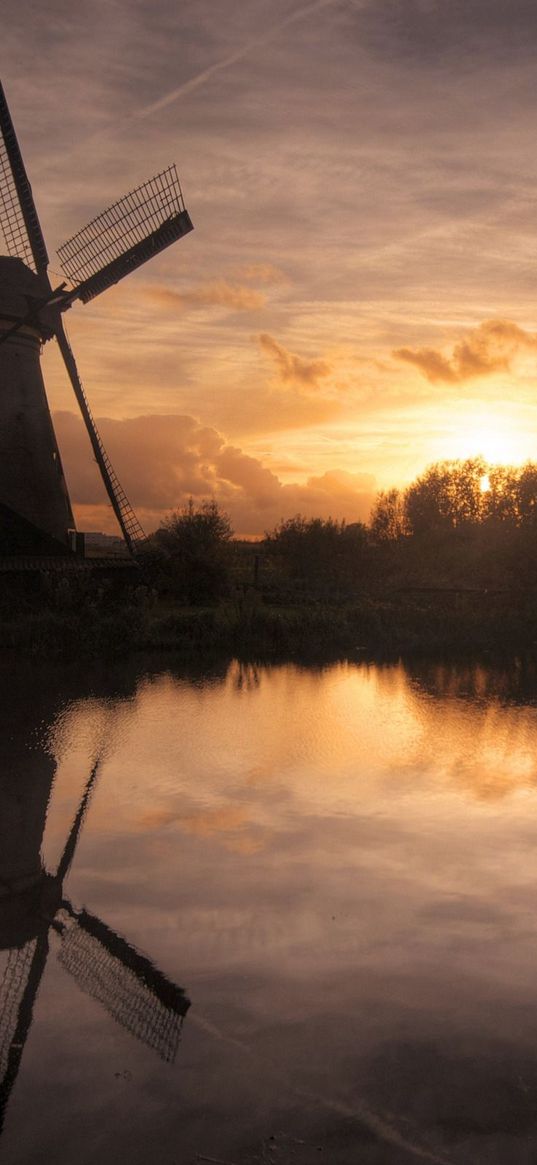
(340, 484)
(218, 293)
(262, 273)
(488, 348)
(293, 369)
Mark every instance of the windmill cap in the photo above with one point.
(19, 286)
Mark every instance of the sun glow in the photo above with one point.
(501, 439)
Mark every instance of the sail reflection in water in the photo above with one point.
(105, 965)
(133, 991)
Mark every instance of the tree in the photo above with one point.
(502, 501)
(320, 553)
(448, 494)
(195, 541)
(527, 494)
(389, 520)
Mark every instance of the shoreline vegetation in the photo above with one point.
(448, 565)
(251, 629)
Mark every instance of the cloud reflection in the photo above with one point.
(337, 742)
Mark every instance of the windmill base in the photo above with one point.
(19, 536)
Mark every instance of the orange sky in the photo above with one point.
(357, 298)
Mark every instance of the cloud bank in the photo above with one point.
(163, 460)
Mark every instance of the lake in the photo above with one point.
(269, 914)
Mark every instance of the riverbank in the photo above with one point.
(250, 627)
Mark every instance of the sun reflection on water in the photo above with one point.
(201, 761)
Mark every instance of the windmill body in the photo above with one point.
(24, 797)
(32, 483)
(35, 511)
(23, 805)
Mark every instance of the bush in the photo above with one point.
(322, 556)
(196, 544)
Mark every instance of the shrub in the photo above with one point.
(196, 544)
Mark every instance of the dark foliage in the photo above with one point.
(450, 563)
(195, 541)
(465, 493)
(322, 557)
(461, 524)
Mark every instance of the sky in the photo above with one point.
(356, 300)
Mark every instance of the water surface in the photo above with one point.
(294, 920)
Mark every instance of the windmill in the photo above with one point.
(35, 510)
(126, 983)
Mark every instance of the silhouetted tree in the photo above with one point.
(448, 494)
(501, 500)
(466, 523)
(389, 520)
(195, 541)
(320, 553)
(526, 494)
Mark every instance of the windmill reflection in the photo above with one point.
(32, 904)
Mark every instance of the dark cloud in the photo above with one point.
(489, 348)
(431, 30)
(458, 1089)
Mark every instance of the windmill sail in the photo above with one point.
(20, 224)
(12, 989)
(131, 529)
(134, 992)
(127, 234)
(74, 834)
(21, 984)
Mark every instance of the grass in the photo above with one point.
(250, 628)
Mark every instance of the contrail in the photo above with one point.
(218, 67)
(239, 55)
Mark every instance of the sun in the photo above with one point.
(497, 436)
(497, 444)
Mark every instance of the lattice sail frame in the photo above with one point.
(11, 219)
(127, 234)
(138, 996)
(18, 216)
(12, 988)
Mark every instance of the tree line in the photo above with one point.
(452, 494)
(460, 524)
